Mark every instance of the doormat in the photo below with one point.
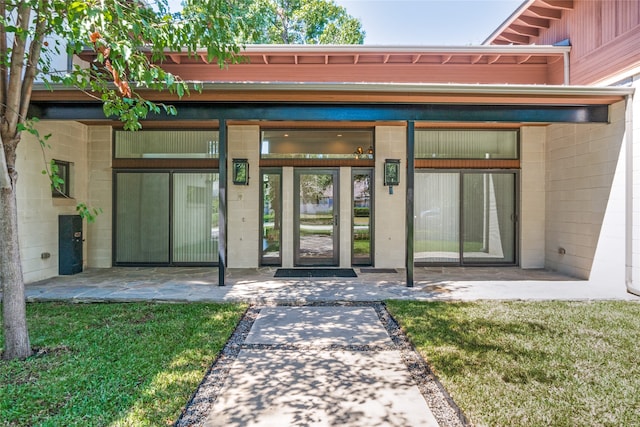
(378, 270)
(315, 272)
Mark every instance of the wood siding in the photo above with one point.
(496, 73)
(604, 35)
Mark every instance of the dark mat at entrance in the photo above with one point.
(378, 270)
(315, 272)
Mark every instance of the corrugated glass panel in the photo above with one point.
(195, 217)
(163, 144)
(142, 217)
(466, 144)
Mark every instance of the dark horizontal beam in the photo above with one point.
(342, 112)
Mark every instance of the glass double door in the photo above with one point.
(465, 217)
(316, 217)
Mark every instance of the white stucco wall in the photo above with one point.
(390, 209)
(582, 160)
(37, 210)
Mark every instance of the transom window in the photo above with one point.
(466, 144)
(167, 144)
(317, 144)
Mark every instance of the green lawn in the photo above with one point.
(532, 363)
(113, 364)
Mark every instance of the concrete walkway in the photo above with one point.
(260, 286)
(318, 352)
(328, 365)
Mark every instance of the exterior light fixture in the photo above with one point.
(240, 171)
(391, 173)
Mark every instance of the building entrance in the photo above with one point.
(316, 217)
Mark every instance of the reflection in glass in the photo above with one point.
(489, 217)
(316, 220)
(437, 211)
(317, 144)
(361, 251)
(271, 218)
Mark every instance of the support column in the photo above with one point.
(222, 205)
(410, 187)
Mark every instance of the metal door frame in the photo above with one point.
(312, 262)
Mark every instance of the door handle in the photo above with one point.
(335, 220)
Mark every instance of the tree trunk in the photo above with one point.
(16, 335)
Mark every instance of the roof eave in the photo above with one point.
(515, 15)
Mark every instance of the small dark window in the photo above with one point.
(61, 170)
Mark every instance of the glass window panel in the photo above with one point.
(437, 211)
(362, 205)
(271, 218)
(150, 144)
(142, 217)
(317, 144)
(489, 218)
(195, 217)
(466, 144)
(316, 223)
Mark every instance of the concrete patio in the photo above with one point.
(260, 286)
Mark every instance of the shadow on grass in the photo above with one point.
(531, 363)
(113, 364)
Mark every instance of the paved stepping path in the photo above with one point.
(331, 365)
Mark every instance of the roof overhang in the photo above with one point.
(364, 63)
(367, 92)
(527, 20)
(358, 102)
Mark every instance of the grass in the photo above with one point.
(532, 363)
(113, 364)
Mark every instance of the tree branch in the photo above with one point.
(35, 49)
(17, 65)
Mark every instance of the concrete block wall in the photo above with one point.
(532, 196)
(243, 202)
(580, 168)
(100, 195)
(390, 209)
(38, 211)
(345, 217)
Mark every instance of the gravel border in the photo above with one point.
(444, 409)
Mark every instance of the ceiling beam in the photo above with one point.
(523, 59)
(525, 30)
(446, 58)
(515, 38)
(545, 12)
(559, 4)
(532, 21)
(176, 58)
